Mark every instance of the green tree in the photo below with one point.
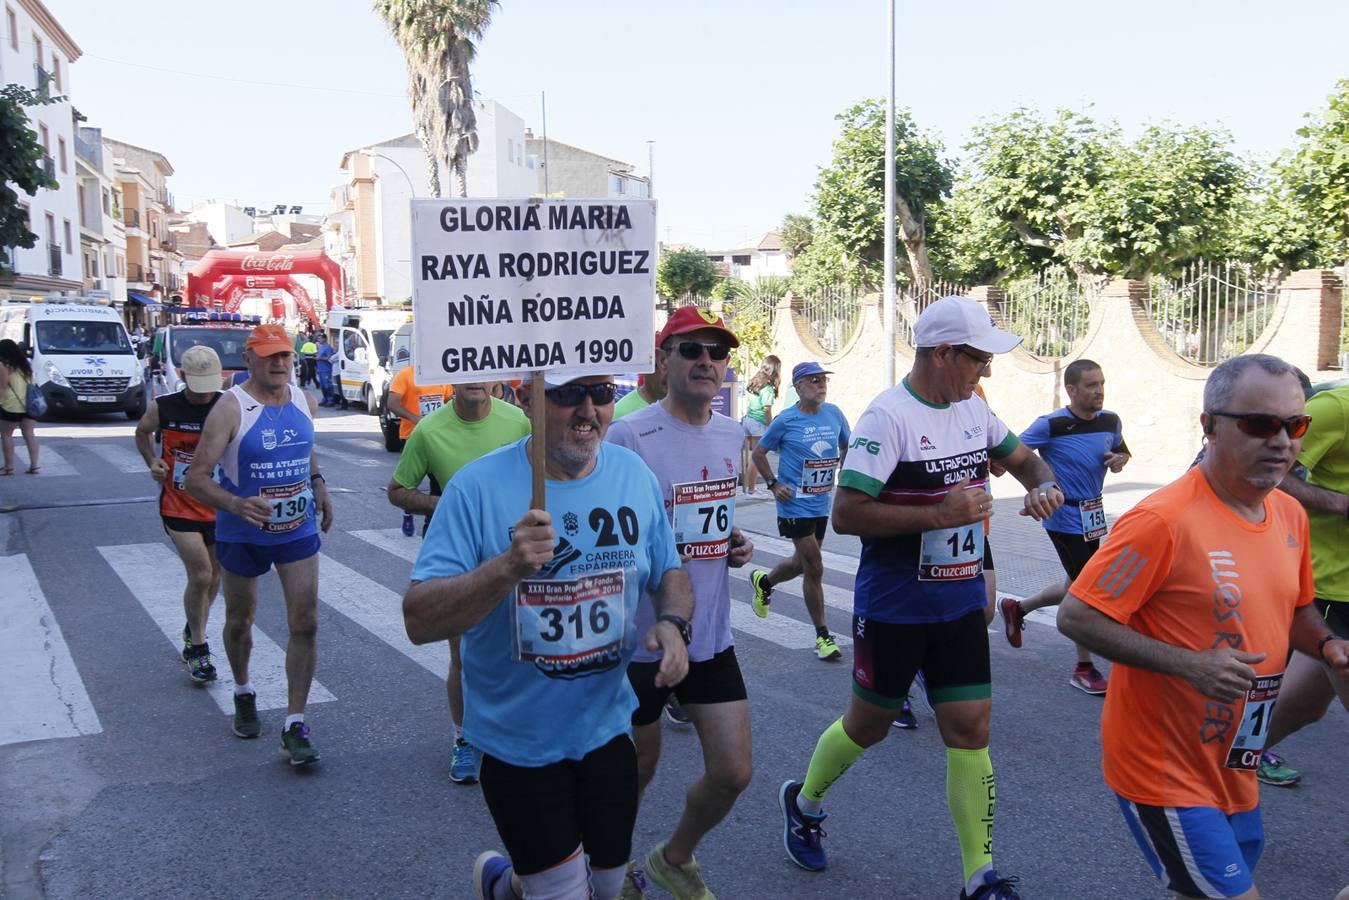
(1072, 192)
(683, 274)
(437, 37)
(849, 200)
(20, 166)
(797, 232)
(1318, 172)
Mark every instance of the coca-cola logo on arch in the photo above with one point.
(281, 262)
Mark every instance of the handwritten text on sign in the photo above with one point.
(505, 287)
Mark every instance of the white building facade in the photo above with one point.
(102, 235)
(36, 52)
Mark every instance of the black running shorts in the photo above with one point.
(953, 657)
(1074, 551)
(715, 680)
(799, 528)
(205, 529)
(544, 813)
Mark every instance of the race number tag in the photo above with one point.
(1244, 753)
(570, 628)
(290, 506)
(817, 475)
(952, 554)
(1093, 519)
(429, 403)
(702, 514)
(181, 461)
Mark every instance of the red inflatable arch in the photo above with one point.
(229, 292)
(217, 265)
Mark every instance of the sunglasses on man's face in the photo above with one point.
(1264, 425)
(692, 350)
(816, 379)
(574, 394)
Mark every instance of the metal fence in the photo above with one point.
(1343, 360)
(1213, 311)
(911, 299)
(1049, 310)
(833, 313)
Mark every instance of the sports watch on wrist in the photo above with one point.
(770, 482)
(685, 629)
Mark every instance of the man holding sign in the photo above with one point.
(1081, 442)
(914, 488)
(695, 454)
(547, 603)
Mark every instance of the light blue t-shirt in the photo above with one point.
(545, 672)
(809, 451)
(1075, 449)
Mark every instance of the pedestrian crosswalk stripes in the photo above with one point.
(154, 575)
(43, 697)
(837, 562)
(379, 611)
(367, 444)
(41, 693)
(52, 463)
(365, 462)
(122, 456)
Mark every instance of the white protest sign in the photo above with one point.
(501, 288)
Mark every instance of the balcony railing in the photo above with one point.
(169, 242)
(42, 81)
(53, 259)
(49, 167)
(135, 272)
(93, 153)
(132, 218)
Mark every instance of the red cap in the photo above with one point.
(691, 318)
(269, 340)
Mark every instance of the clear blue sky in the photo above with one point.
(257, 101)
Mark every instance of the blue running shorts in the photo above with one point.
(252, 560)
(1198, 851)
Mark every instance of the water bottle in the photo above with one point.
(407, 524)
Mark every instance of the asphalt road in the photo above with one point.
(119, 778)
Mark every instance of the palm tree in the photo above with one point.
(437, 39)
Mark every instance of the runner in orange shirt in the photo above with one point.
(1196, 596)
(176, 420)
(411, 401)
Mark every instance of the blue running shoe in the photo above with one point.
(489, 868)
(801, 833)
(906, 719)
(995, 887)
(464, 763)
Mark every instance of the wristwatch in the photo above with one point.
(685, 629)
(770, 482)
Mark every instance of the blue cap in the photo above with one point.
(802, 370)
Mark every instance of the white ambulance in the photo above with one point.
(362, 338)
(82, 357)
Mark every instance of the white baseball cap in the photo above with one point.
(960, 320)
(201, 370)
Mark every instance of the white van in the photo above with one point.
(82, 357)
(400, 357)
(361, 340)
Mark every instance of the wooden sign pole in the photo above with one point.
(537, 455)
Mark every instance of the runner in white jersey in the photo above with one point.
(695, 454)
(914, 488)
(271, 503)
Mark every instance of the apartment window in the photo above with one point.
(79, 193)
(93, 263)
(56, 71)
(51, 230)
(13, 22)
(107, 202)
(45, 138)
(37, 50)
(616, 184)
(61, 148)
(510, 150)
(121, 267)
(66, 231)
(740, 260)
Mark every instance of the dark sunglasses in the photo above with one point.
(1264, 425)
(574, 394)
(816, 379)
(694, 350)
(981, 360)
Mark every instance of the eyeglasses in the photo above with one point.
(692, 350)
(815, 379)
(1264, 425)
(983, 361)
(574, 394)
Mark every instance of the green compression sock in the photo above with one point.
(834, 753)
(972, 798)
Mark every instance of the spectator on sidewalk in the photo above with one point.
(323, 369)
(15, 376)
(763, 392)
